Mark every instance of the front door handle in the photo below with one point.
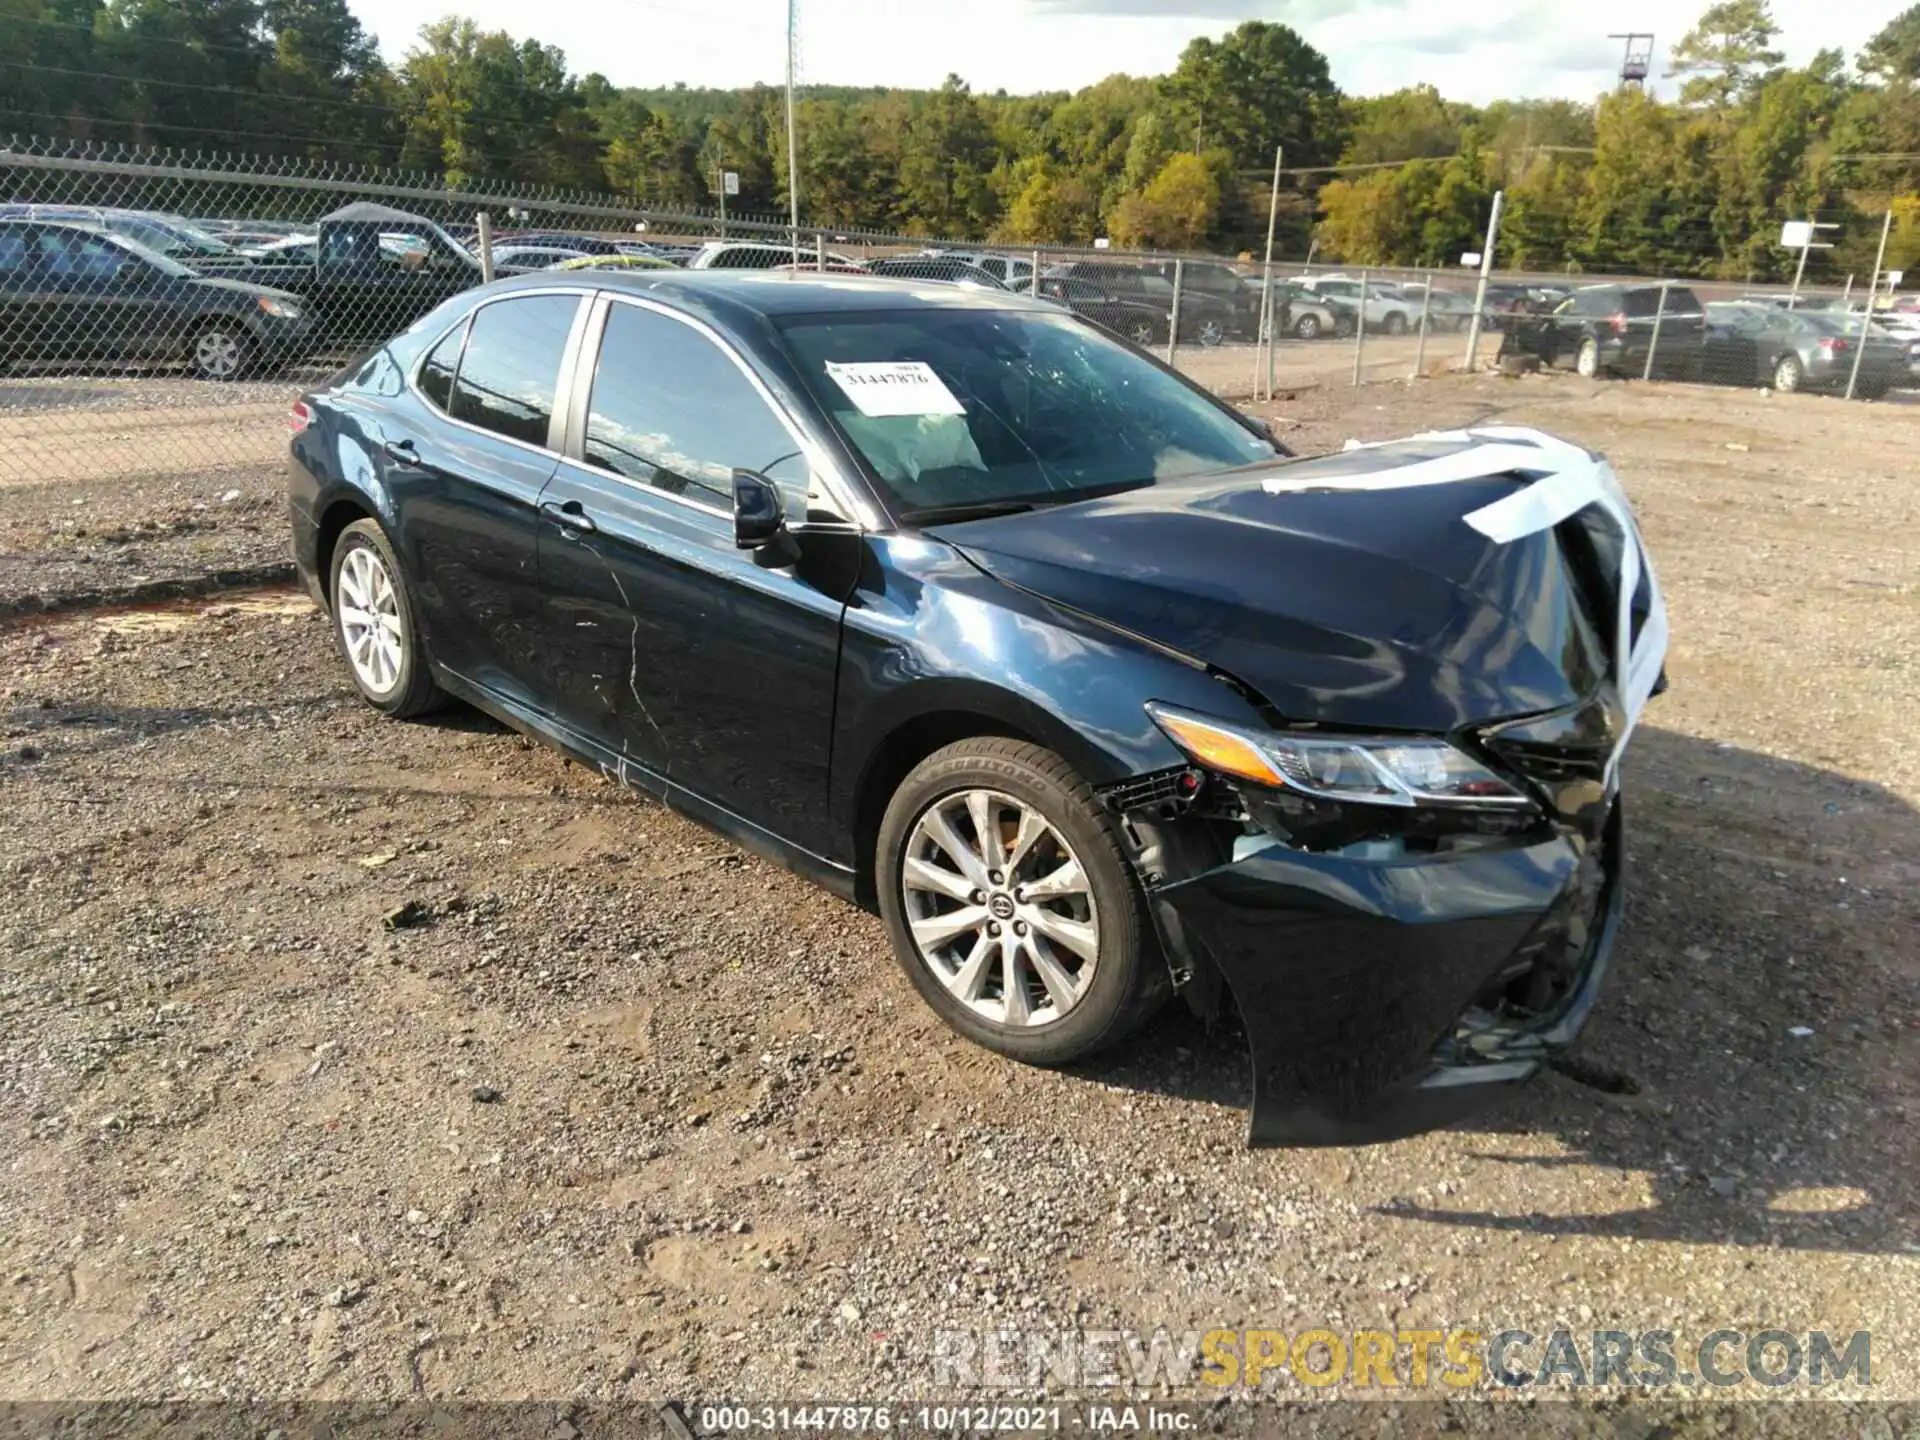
(568, 515)
(403, 452)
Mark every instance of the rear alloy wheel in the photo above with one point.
(1142, 333)
(373, 624)
(221, 352)
(1787, 374)
(1587, 362)
(1212, 332)
(1010, 905)
(1307, 327)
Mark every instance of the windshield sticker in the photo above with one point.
(894, 387)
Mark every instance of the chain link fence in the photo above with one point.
(159, 312)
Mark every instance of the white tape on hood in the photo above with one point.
(1567, 480)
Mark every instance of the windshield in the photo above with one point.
(167, 237)
(165, 264)
(998, 408)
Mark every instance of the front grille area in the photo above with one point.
(1165, 793)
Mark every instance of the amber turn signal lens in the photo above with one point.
(1217, 749)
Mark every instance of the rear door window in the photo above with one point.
(511, 366)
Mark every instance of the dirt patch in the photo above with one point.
(728, 1153)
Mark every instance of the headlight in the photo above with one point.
(279, 309)
(1373, 771)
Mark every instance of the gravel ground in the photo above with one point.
(631, 1114)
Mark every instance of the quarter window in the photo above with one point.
(511, 366)
(671, 410)
(436, 376)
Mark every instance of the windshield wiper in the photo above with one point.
(968, 510)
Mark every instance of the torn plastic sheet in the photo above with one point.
(1567, 480)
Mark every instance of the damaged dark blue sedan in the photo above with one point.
(988, 621)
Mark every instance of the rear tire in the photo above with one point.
(1143, 334)
(935, 875)
(1212, 332)
(1587, 361)
(1787, 374)
(374, 625)
(1396, 323)
(1307, 327)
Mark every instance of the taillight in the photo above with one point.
(300, 417)
(1618, 321)
(1834, 345)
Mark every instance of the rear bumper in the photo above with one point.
(1362, 985)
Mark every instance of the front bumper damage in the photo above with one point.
(1385, 997)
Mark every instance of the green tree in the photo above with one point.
(1052, 207)
(1179, 207)
(1538, 225)
(1259, 86)
(1408, 124)
(1894, 53)
(482, 105)
(326, 81)
(1725, 53)
(945, 163)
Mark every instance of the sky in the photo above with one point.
(1489, 50)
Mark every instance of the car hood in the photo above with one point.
(1365, 608)
(244, 287)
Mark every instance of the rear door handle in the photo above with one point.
(568, 515)
(403, 452)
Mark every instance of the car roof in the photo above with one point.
(739, 297)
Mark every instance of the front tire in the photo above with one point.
(373, 624)
(221, 351)
(1143, 334)
(1396, 323)
(1307, 327)
(1787, 374)
(1010, 904)
(1212, 333)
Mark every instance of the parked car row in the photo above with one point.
(1666, 332)
(227, 297)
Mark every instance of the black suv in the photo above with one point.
(1605, 330)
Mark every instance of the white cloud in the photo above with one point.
(1494, 49)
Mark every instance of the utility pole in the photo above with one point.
(720, 158)
(793, 142)
(1264, 330)
(1486, 269)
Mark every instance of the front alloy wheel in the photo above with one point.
(220, 352)
(1786, 375)
(1011, 906)
(1307, 327)
(999, 908)
(1212, 332)
(1141, 333)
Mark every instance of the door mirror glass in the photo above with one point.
(759, 512)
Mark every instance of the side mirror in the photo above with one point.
(759, 510)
